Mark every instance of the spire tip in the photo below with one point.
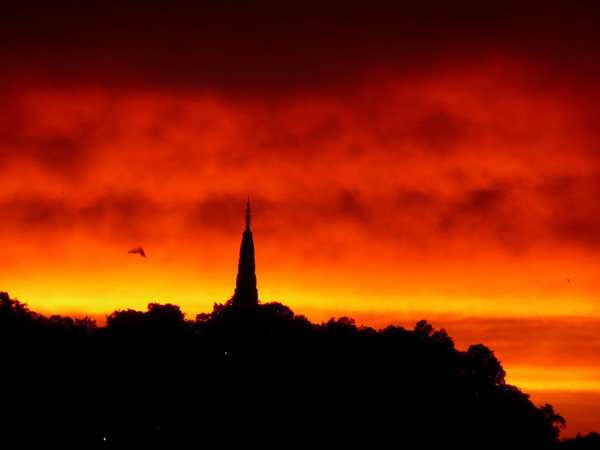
(248, 214)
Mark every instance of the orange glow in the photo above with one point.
(460, 197)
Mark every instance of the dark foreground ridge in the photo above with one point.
(263, 376)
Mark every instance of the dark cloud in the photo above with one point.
(224, 213)
(417, 219)
(274, 46)
(112, 216)
(516, 214)
(584, 231)
(129, 214)
(27, 214)
(438, 131)
(476, 215)
(63, 155)
(30, 133)
(573, 208)
(350, 207)
(481, 203)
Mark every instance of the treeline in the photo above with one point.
(152, 379)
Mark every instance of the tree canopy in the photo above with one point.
(265, 375)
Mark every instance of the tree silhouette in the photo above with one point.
(589, 441)
(484, 366)
(266, 375)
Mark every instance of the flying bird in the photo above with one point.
(139, 250)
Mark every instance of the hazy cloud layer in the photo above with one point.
(402, 161)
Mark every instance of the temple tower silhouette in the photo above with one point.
(246, 294)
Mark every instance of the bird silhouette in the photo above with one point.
(139, 250)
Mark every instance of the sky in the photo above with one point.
(404, 160)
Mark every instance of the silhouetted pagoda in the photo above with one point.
(246, 294)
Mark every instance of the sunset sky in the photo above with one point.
(405, 160)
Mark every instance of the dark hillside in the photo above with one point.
(155, 380)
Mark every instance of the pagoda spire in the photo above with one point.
(246, 294)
